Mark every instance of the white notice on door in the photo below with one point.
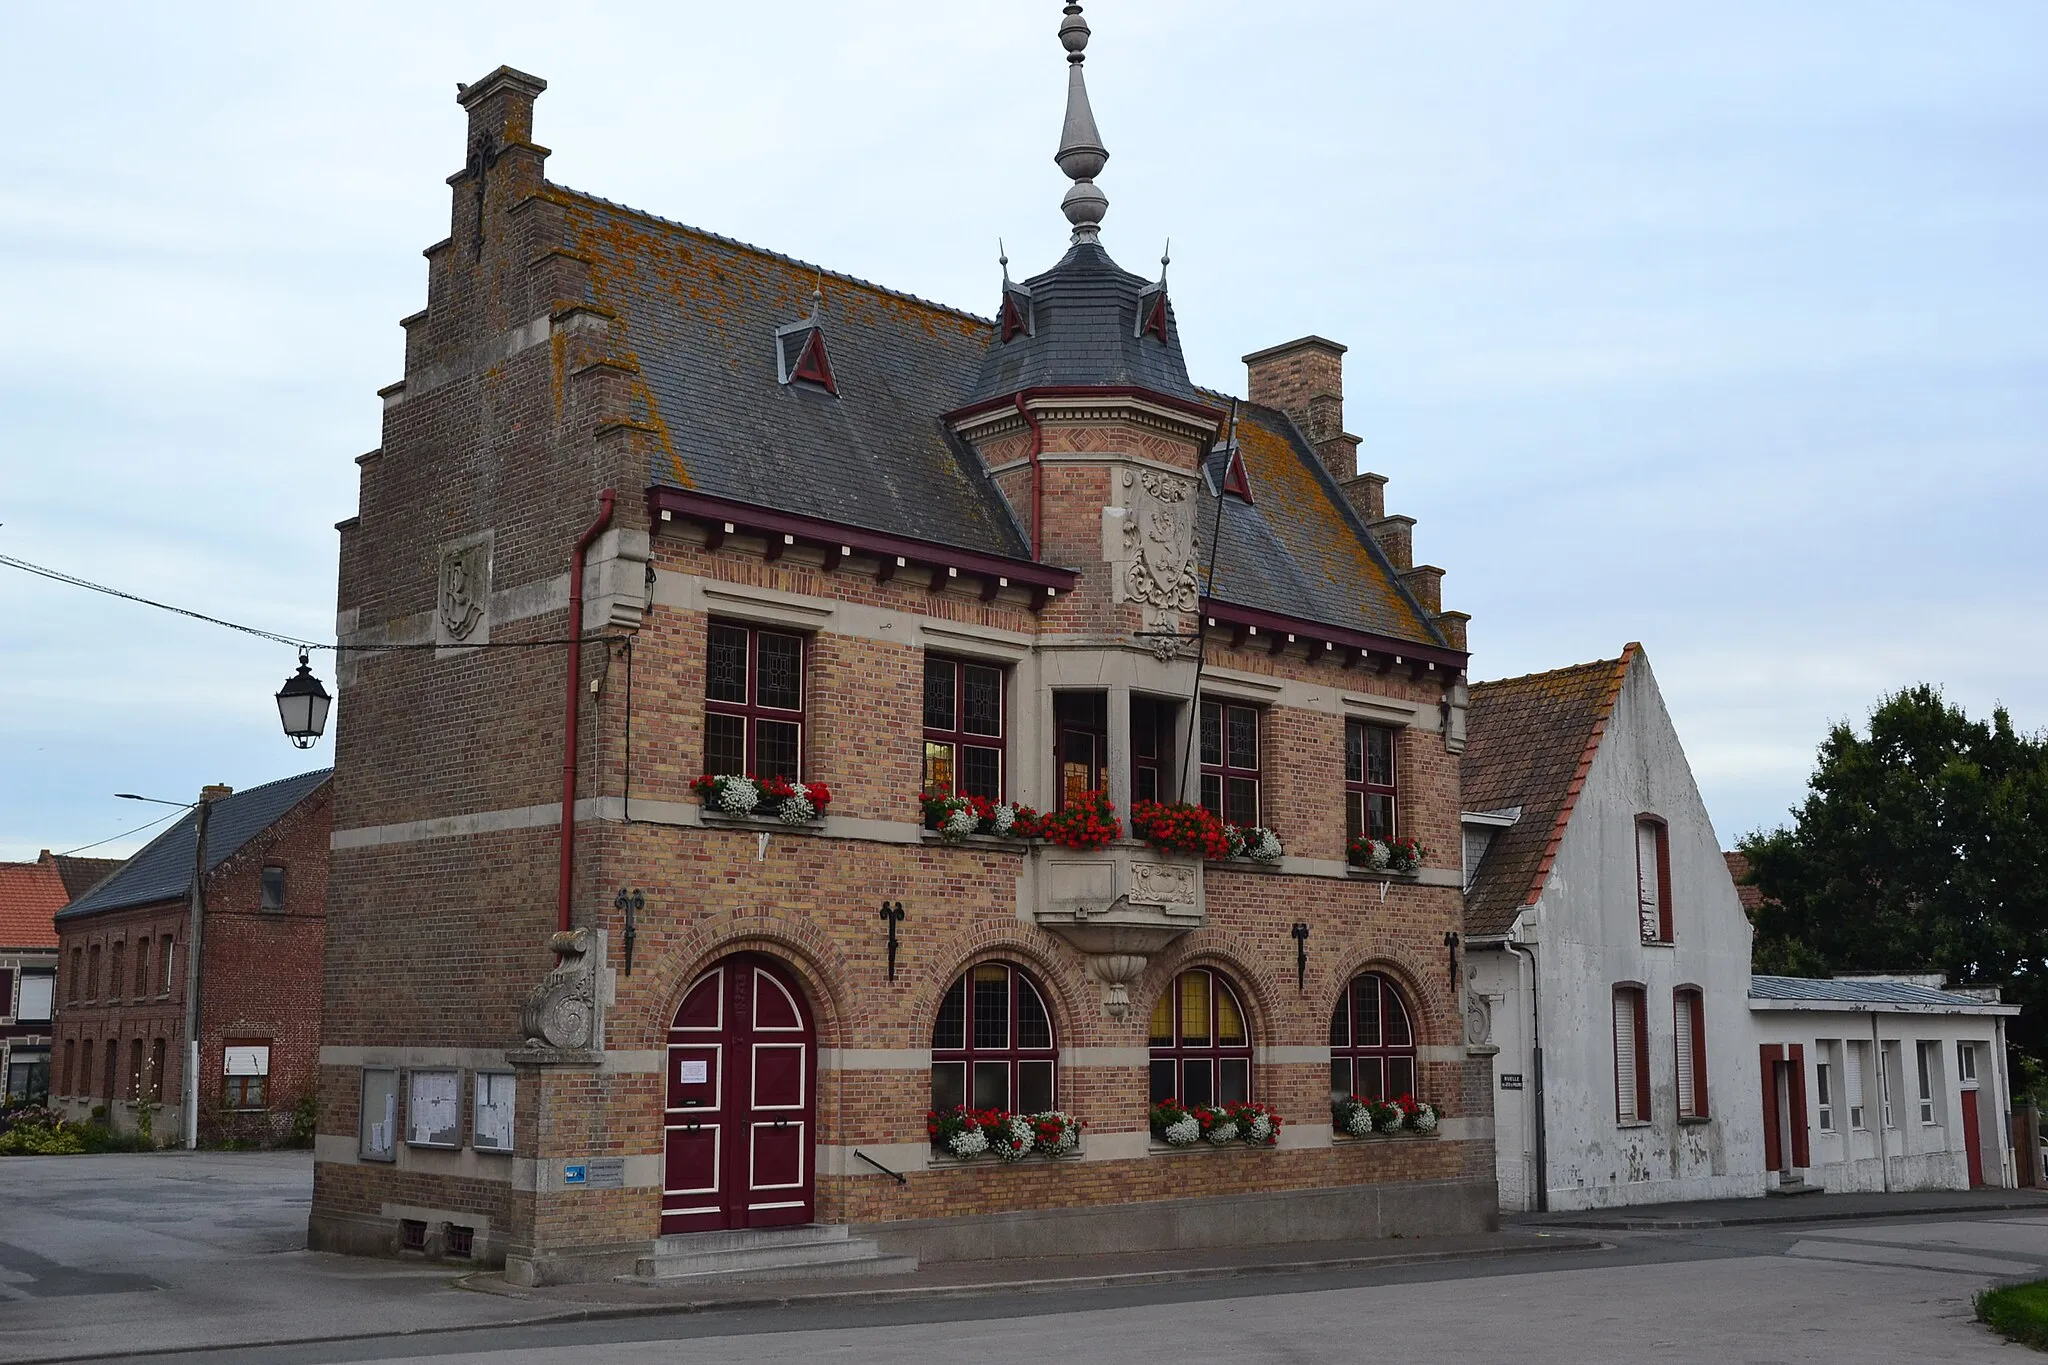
(694, 1073)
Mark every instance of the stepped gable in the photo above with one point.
(1296, 548)
(700, 314)
(1528, 743)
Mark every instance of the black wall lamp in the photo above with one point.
(1300, 932)
(630, 904)
(894, 915)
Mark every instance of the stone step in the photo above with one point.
(874, 1264)
(764, 1254)
(748, 1239)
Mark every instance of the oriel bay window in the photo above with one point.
(963, 727)
(1081, 724)
(1230, 763)
(1369, 789)
(993, 1044)
(754, 702)
(1372, 1042)
(1201, 1049)
(1152, 733)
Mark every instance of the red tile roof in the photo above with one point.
(31, 894)
(1752, 897)
(1529, 742)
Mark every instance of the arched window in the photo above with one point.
(1201, 1049)
(993, 1044)
(1372, 1042)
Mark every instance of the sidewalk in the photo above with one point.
(963, 1279)
(1806, 1208)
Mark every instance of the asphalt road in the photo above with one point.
(155, 1253)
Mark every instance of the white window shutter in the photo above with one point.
(1648, 888)
(1625, 1057)
(246, 1061)
(1688, 1099)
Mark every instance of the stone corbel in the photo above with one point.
(563, 1018)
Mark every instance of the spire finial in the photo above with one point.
(1003, 256)
(1081, 155)
(818, 296)
(1165, 259)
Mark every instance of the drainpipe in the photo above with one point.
(1884, 1083)
(2001, 1103)
(195, 958)
(575, 694)
(1525, 953)
(1037, 478)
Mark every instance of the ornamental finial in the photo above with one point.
(1081, 155)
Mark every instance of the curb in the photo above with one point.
(1589, 1224)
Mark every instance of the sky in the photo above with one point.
(1718, 328)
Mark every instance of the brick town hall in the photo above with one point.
(966, 594)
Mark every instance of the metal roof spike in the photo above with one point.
(1081, 156)
(1165, 259)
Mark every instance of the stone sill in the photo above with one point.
(1160, 1148)
(946, 1161)
(1694, 1120)
(1380, 874)
(1340, 1139)
(767, 823)
(1242, 865)
(996, 842)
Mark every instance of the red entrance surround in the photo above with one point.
(741, 1103)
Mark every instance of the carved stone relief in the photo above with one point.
(463, 601)
(561, 1013)
(1164, 884)
(1153, 554)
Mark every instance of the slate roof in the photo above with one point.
(1528, 743)
(1084, 324)
(1297, 548)
(31, 894)
(163, 869)
(1865, 992)
(82, 874)
(700, 312)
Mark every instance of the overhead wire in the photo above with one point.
(122, 835)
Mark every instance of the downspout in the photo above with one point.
(2010, 1153)
(1885, 1099)
(571, 708)
(1524, 953)
(1037, 478)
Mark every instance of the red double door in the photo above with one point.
(741, 1104)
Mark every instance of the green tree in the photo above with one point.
(1922, 845)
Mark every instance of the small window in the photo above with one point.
(495, 1092)
(1688, 1008)
(1369, 792)
(1887, 1061)
(412, 1234)
(117, 979)
(164, 946)
(1230, 763)
(963, 728)
(1966, 1064)
(1855, 1082)
(157, 1079)
(273, 888)
(1927, 1059)
(1201, 1047)
(71, 983)
(993, 1045)
(753, 702)
(1082, 722)
(38, 997)
(1824, 1090)
(1152, 772)
(461, 1241)
(1372, 1042)
(92, 973)
(245, 1068)
(1653, 880)
(1631, 1055)
(433, 1109)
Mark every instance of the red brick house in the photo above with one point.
(812, 529)
(31, 894)
(124, 972)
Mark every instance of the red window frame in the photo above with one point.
(750, 712)
(968, 1056)
(142, 950)
(92, 972)
(74, 979)
(1080, 743)
(1176, 1057)
(1152, 733)
(957, 738)
(1689, 1012)
(1372, 1035)
(1637, 1000)
(1658, 878)
(1225, 779)
(165, 944)
(1362, 784)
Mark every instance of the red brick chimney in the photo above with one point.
(1305, 380)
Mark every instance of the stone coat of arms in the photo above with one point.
(465, 588)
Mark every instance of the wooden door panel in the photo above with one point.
(694, 1074)
(778, 1081)
(777, 1166)
(1973, 1151)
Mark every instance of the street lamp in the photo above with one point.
(302, 705)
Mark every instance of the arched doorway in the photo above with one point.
(741, 1104)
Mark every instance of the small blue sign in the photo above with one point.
(576, 1174)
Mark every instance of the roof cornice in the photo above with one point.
(1384, 652)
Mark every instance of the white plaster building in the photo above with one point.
(1882, 1083)
(1607, 949)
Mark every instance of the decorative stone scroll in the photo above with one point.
(1165, 884)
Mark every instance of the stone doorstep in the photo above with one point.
(810, 1251)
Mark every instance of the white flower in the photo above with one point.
(796, 809)
(1017, 1145)
(1265, 847)
(1183, 1131)
(1261, 1129)
(1425, 1119)
(1234, 837)
(968, 1142)
(1358, 1122)
(1381, 853)
(1224, 1133)
(1391, 1123)
(738, 795)
(1069, 1136)
(959, 822)
(1003, 819)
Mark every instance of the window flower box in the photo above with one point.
(956, 819)
(1364, 1118)
(755, 799)
(1399, 857)
(1228, 1125)
(971, 1136)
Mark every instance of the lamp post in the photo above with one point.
(195, 930)
(302, 706)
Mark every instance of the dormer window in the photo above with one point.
(1235, 480)
(1152, 311)
(1016, 319)
(800, 356)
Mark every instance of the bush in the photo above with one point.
(2018, 1311)
(37, 1139)
(305, 1120)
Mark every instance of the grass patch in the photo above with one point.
(2018, 1311)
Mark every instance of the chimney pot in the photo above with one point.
(214, 791)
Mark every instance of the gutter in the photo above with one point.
(605, 501)
(1525, 952)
